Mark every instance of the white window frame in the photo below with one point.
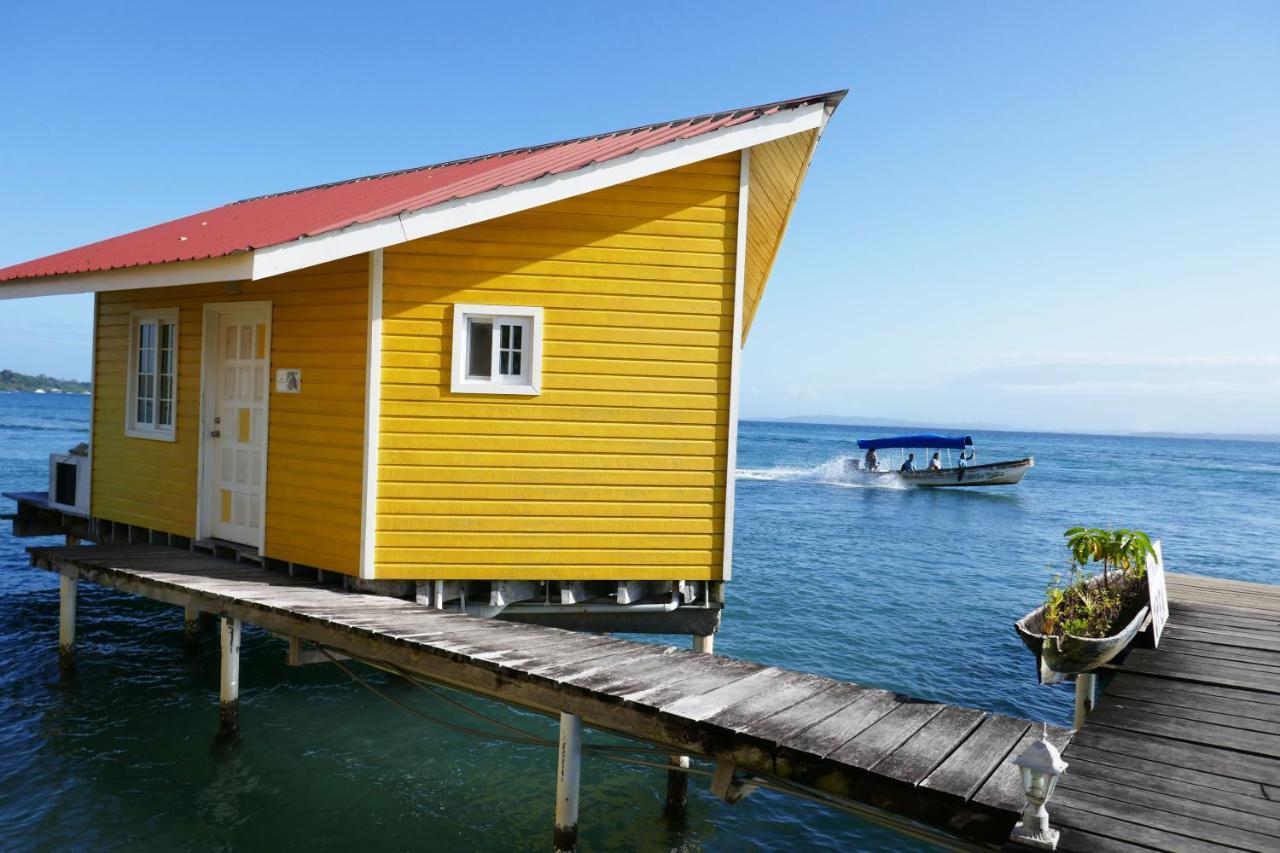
(132, 427)
(462, 384)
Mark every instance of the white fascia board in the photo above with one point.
(365, 237)
(237, 267)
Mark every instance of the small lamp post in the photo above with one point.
(1041, 765)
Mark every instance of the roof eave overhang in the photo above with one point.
(447, 216)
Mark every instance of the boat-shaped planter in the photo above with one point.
(1060, 659)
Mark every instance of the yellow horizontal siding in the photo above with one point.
(777, 171)
(617, 469)
(314, 466)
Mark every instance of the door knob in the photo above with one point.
(215, 433)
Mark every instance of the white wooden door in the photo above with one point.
(236, 453)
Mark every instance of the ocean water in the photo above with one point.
(906, 589)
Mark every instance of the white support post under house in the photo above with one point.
(1086, 682)
(67, 588)
(568, 777)
(229, 693)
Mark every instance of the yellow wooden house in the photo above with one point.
(520, 368)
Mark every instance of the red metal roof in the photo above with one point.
(280, 218)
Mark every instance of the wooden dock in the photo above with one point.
(939, 765)
(1183, 749)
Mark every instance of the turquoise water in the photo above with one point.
(905, 589)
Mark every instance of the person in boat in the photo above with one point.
(910, 464)
(935, 464)
(962, 464)
(870, 460)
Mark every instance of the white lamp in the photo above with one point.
(1041, 765)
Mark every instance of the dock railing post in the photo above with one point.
(1085, 692)
(67, 588)
(229, 694)
(568, 777)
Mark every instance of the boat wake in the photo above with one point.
(833, 472)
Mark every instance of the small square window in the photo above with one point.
(153, 374)
(497, 349)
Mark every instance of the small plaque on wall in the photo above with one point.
(288, 380)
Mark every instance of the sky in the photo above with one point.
(1047, 216)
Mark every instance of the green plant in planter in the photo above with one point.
(1125, 550)
(1077, 606)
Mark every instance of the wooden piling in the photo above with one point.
(676, 806)
(229, 693)
(190, 627)
(568, 777)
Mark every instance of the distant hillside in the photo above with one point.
(12, 380)
(845, 420)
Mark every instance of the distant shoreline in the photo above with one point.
(13, 381)
(886, 423)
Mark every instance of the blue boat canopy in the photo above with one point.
(948, 442)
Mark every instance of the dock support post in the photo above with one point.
(676, 806)
(1085, 683)
(67, 588)
(190, 627)
(229, 695)
(568, 776)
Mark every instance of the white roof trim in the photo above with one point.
(400, 228)
(449, 215)
(237, 267)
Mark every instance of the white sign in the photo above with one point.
(288, 380)
(1159, 598)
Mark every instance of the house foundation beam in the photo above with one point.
(229, 688)
(568, 779)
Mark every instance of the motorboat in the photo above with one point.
(964, 472)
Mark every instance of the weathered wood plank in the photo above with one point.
(830, 733)
(1194, 756)
(1192, 731)
(1168, 781)
(1139, 805)
(702, 705)
(1217, 636)
(713, 672)
(1152, 662)
(930, 746)
(1003, 789)
(1202, 779)
(795, 688)
(964, 771)
(886, 734)
(783, 726)
(1171, 704)
(1085, 831)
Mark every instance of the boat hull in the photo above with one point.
(991, 474)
